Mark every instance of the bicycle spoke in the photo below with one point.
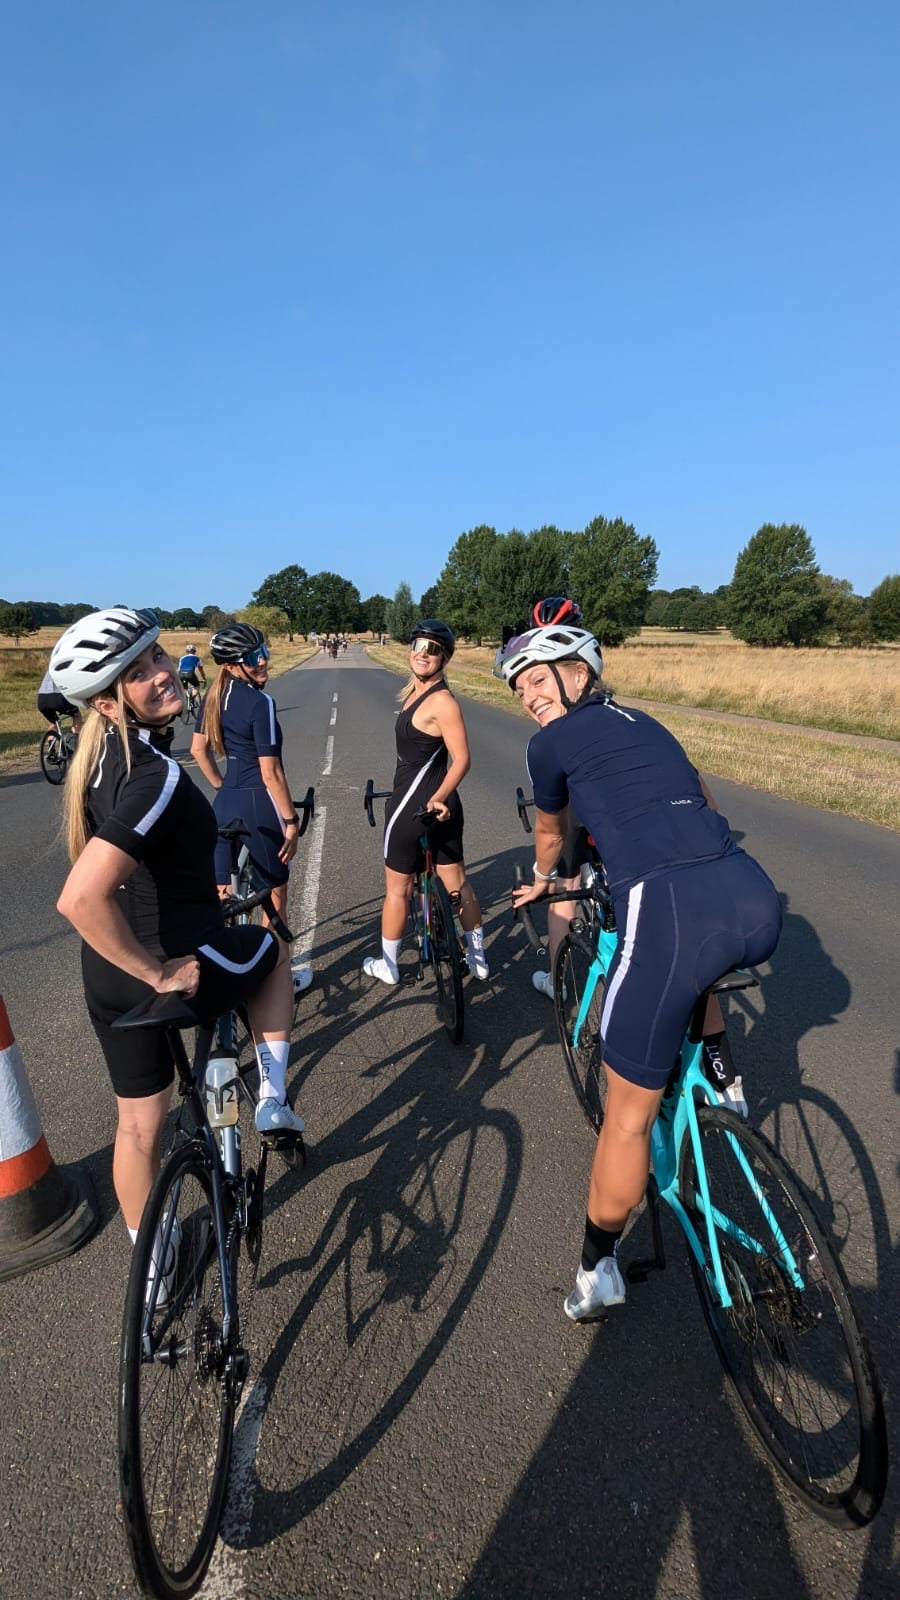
(578, 998)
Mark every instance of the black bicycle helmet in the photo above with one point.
(556, 608)
(234, 641)
(438, 631)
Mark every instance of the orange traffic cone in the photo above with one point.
(44, 1213)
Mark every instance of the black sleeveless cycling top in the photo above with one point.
(417, 750)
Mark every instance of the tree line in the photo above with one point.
(777, 595)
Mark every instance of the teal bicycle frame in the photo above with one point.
(677, 1120)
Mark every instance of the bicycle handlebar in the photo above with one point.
(522, 807)
(371, 795)
(237, 905)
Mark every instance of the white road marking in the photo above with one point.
(226, 1579)
(329, 755)
(311, 867)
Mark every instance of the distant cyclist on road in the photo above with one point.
(142, 890)
(190, 669)
(237, 723)
(51, 704)
(432, 760)
(688, 904)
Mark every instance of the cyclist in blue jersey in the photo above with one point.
(190, 668)
(689, 904)
(237, 722)
(142, 891)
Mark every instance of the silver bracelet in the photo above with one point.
(545, 877)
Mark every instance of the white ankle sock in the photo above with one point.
(391, 949)
(272, 1055)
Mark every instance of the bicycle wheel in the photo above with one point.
(54, 757)
(446, 961)
(572, 970)
(794, 1353)
(178, 1386)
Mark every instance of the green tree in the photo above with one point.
(214, 618)
(611, 569)
(461, 583)
(17, 619)
(546, 566)
(775, 598)
(884, 608)
(846, 618)
(288, 589)
(334, 604)
(507, 595)
(400, 613)
(657, 601)
(270, 620)
(701, 614)
(187, 617)
(372, 617)
(429, 602)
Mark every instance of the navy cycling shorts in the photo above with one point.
(233, 963)
(678, 933)
(259, 814)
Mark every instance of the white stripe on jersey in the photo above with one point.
(409, 794)
(216, 957)
(635, 896)
(168, 788)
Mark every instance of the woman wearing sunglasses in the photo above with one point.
(432, 760)
(142, 890)
(237, 724)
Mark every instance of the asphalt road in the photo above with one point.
(421, 1420)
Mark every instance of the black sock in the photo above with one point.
(598, 1242)
(718, 1063)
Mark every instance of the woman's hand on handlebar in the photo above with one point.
(181, 975)
(524, 893)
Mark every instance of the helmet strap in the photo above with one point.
(567, 703)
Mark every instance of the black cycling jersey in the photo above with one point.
(422, 761)
(631, 785)
(156, 815)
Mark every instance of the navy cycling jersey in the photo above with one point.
(631, 785)
(249, 730)
(156, 815)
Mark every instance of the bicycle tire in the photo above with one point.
(584, 1061)
(825, 1434)
(446, 961)
(54, 757)
(178, 1385)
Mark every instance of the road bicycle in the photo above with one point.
(774, 1295)
(192, 702)
(433, 924)
(57, 749)
(183, 1359)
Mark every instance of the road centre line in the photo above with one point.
(309, 895)
(226, 1579)
(329, 755)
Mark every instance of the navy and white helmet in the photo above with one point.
(551, 645)
(234, 641)
(94, 651)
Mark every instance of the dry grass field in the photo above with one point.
(845, 691)
(853, 691)
(22, 669)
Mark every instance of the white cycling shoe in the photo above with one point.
(595, 1290)
(301, 977)
(543, 982)
(277, 1117)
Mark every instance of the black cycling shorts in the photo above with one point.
(233, 963)
(403, 830)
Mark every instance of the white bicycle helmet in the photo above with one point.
(553, 644)
(95, 650)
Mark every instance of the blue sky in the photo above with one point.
(333, 282)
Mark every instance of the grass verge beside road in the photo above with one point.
(834, 774)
